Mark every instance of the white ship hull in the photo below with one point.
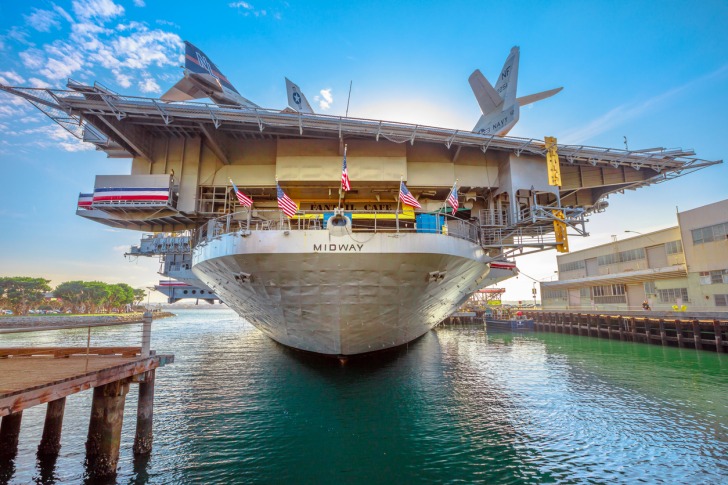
(343, 295)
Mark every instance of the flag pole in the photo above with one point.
(444, 202)
(341, 182)
(396, 214)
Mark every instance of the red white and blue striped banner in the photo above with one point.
(131, 194)
(502, 265)
(85, 201)
(173, 284)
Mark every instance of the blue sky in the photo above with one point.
(655, 72)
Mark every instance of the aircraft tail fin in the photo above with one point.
(296, 99)
(197, 62)
(487, 97)
(532, 98)
(508, 79)
(203, 79)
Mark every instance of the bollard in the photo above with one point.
(104, 429)
(50, 443)
(145, 415)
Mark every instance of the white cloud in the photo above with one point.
(43, 20)
(32, 58)
(76, 146)
(97, 9)
(243, 5)
(324, 99)
(167, 22)
(10, 77)
(63, 60)
(66, 16)
(148, 85)
(38, 83)
(626, 112)
(139, 3)
(123, 80)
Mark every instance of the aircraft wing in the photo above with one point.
(532, 98)
(487, 97)
(184, 90)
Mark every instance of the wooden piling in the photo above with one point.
(50, 443)
(718, 336)
(104, 430)
(697, 335)
(663, 333)
(9, 434)
(679, 330)
(145, 414)
(636, 328)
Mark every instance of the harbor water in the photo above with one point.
(459, 405)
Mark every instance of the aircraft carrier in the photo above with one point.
(351, 271)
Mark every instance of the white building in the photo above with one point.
(685, 266)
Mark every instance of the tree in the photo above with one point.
(120, 295)
(22, 292)
(96, 294)
(73, 294)
(139, 295)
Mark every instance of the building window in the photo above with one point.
(716, 277)
(650, 288)
(709, 234)
(572, 266)
(670, 295)
(585, 292)
(721, 300)
(673, 247)
(622, 257)
(553, 295)
(609, 294)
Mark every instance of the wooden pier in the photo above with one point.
(38, 375)
(701, 334)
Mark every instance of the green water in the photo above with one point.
(458, 405)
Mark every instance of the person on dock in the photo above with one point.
(646, 306)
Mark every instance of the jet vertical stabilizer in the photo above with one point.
(296, 99)
(499, 104)
(203, 79)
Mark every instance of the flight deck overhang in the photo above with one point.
(131, 122)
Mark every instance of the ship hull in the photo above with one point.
(342, 296)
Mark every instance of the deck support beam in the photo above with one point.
(9, 434)
(104, 430)
(145, 414)
(50, 443)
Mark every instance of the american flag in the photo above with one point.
(406, 197)
(242, 198)
(452, 199)
(345, 184)
(285, 203)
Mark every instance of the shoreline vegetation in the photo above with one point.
(22, 295)
(49, 322)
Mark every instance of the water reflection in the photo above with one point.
(459, 404)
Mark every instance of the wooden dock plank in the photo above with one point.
(28, 381)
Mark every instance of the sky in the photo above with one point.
(653, 72)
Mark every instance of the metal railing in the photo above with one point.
(245, 221)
